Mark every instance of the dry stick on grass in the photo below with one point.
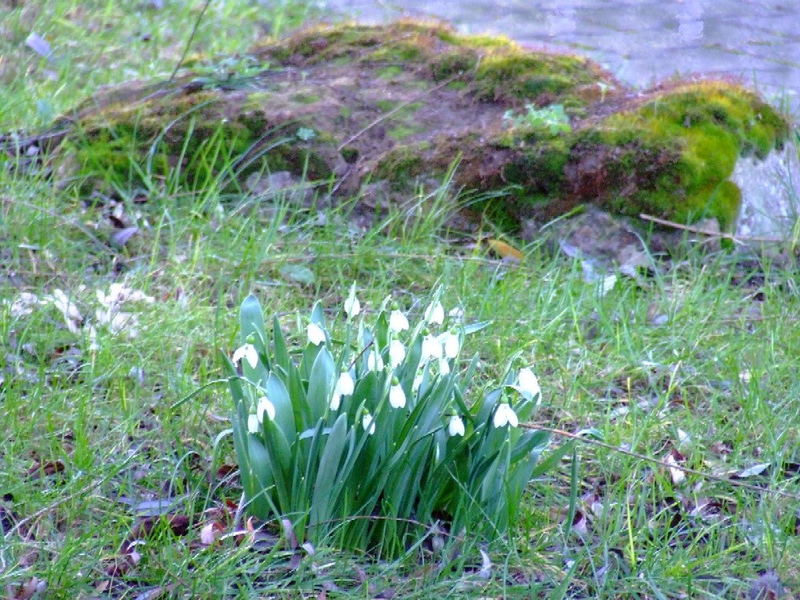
(650, 459)
(398, 108)
(190, 40)
(714, 234)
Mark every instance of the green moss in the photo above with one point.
(390, 72)
(701, 131)
(386, 105)
(496, 68)
(401, 165)
(185, 142)
(530, 76)
(400, 132)
(305, 98)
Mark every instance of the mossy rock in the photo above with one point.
(360, 103)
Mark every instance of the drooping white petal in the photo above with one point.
(434, 314)
(248, 352)
(351, 305)
(450, 344)
(368, 423)
(417, 382)
(344, 387)
(374, 361)
(455, 426)
(504, 415)
(431, 348)
(397, 321)
(456, 314)
(397, 352)
(444, 367)
(527, 382)
(265, 406)
(253, 424)
(397, 397)
(315, 333)
(345, 384)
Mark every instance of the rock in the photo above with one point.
(533, 134)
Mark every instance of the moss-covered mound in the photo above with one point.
(355, 103)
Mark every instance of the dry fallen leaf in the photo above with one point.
(33, 588)
(505, 251)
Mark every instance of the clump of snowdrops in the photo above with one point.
(369, 433)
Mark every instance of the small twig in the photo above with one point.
(396, 109)
(714, 234)
(190, 40)
(59, 217)
(81, 493)
(650, 459)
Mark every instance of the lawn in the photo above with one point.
(117, 476)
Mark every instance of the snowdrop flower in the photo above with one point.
(397, 397)
(527, 383)
(248, 352)
(455, 426)
(431, 348)
(344, 387)
(444, 366)
(434, 314)
(72, 316)
(504, 415)
(265, 406)
(456, 314)
(94, 345)
(253, 424)
(315, 333)
(450, 344)
(397, 321)
(417, 382)
(368, 423)
(374, 360)
(397, 352)
(352, 306)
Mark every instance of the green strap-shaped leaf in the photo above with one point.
(284, 411)
(251, 319)
(279, 344)
(320, 383)
(323, 500)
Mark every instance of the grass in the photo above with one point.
(698, 362)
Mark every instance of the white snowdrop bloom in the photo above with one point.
(397, 321)
(345, 384)
(72, 316)
(455, 426)
(504, 415)
(527, 382)
(434, 314)
(253, 424)
(450, 344)
(374, 360)
(456, 314)
(351, 305)
(397, 352)
(344, 387)
(397, 397)
(315, 333)
(368, 423)
(248, 352)
(265, 406)
(417, 382)
(24, 304)
(444, 367)
(94, 345)
(431, 348)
